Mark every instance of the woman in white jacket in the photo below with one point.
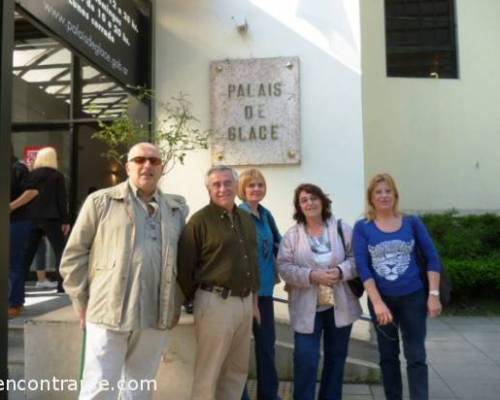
(313, 263)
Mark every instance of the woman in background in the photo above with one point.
(49, 210)
(385, 245)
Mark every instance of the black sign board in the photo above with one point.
(113, 34)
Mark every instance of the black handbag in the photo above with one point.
(356, 285)
(445, 286)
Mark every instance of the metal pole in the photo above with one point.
(6, 49)
(151, 56)
(75, 113)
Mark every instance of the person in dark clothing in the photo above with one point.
(22, 191)
(49, 210)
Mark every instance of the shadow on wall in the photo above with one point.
(190, 34)
(329, 55)
(329, 28)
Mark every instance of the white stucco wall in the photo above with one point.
(325, 35)
(439, 138)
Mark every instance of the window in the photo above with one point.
(45, 72)
(421, 38)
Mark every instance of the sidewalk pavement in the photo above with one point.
(463, 355)
(464, 362)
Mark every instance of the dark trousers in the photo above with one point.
(40, 259)
(410, 316)
(52, 229)
(265, 337)
(307, 354)
(19, 232)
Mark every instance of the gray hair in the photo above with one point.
(141, 145)
(221, 168)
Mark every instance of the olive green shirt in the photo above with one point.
(216, 248)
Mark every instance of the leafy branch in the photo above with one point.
(175, 132)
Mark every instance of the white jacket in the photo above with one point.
(296, 261)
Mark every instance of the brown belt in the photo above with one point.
(224, 292)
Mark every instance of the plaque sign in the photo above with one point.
(255, 111)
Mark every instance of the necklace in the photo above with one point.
(321, 243)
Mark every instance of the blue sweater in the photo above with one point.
(390, 258)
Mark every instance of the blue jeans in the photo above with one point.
(410, 316)
(307, 354)
(19, 232)
(265, 336)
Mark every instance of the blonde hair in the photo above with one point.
(379, 178)
(248, 175)
(46, 157)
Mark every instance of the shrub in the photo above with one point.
(470, 249)
(473, 278)
(471, 237)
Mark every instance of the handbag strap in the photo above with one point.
(275, 232)
(340, 232)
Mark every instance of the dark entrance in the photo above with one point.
(57, 98)
(58, 77)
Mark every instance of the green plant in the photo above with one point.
(474, 278)
(174, 131)
(470, 237)
(469, 246)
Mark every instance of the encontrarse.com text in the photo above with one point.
(73, 385)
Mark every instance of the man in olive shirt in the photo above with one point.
(218, 268)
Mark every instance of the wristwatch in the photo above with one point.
(434, 293)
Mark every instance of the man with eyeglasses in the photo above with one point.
(118, 268)
(218, 269)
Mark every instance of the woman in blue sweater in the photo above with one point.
(385, 246)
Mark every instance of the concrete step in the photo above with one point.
(356, 370)
(38, 302)
(285, 391)
(361, 365)
(360, 347)
(15, 357)
(16, 337)
(15, 353)
(44, 334)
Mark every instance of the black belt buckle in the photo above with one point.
(222, 291)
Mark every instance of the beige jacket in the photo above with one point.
(96, 261)
(296, 261)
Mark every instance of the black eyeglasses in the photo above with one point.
(141, 160)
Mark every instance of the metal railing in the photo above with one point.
(363, 317)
